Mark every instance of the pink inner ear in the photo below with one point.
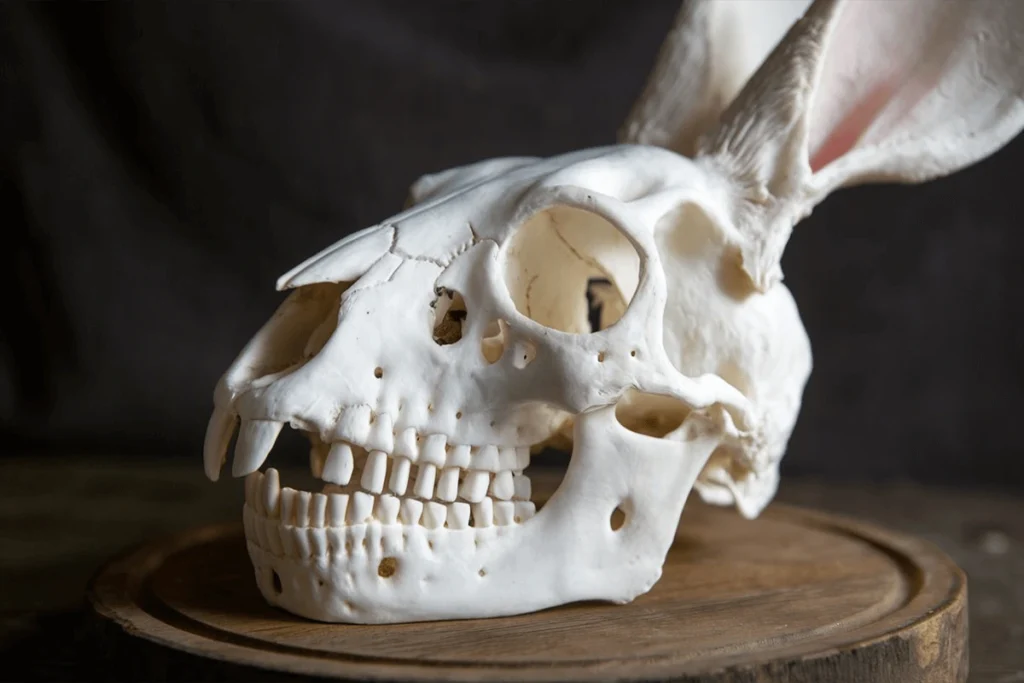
(850, 129)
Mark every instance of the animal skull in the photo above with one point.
(426, 357)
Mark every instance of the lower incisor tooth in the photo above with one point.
(318, 511)
(271, 493)
(337, 506)
(424, 487)
(375, 471)
(474, 486)
(502, 487)
(524, 511)
(253, 490)
(288, 506)
(360, 508)
(400, 476)
(387, 509)
(458, 516)
(504, 512)
(302, 502)
(411, 511)
(483, 513)
(434, 515)
(448, 484)
(273, 533)
(259, 525)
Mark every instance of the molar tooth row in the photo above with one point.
(291, 508)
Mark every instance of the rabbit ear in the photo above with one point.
(713, 48)
(867, 91)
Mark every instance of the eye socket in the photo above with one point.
(571, 270)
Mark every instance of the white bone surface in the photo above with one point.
(427, 355)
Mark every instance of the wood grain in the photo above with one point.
(792, 596)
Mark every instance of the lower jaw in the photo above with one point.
(375, 573)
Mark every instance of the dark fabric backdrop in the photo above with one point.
(165, 162)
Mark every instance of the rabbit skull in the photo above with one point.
(591, 296)
(428, 356)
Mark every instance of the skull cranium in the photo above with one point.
(428, 355)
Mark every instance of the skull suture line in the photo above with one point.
(428, 355)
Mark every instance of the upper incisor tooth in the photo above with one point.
(255, 439)
(502, 487)
(506, 458)
(458, 456)
(521, 487)
(354, 424)
(474, 486)
(522, 458)
(485, 458)
(382, 437)
(458, 515)
(317, 457)
(375, 471)
(400, 475)
(424, 487)
(448, 484)
(271, 492)
(339, 465)
(433, 450)
(407, 445)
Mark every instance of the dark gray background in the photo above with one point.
(165, 162)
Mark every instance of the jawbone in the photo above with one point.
(378, 573)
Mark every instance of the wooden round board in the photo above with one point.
(792, 596)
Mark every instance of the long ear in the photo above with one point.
(867, 91)
(713, 48)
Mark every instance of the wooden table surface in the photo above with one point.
(60, 518)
